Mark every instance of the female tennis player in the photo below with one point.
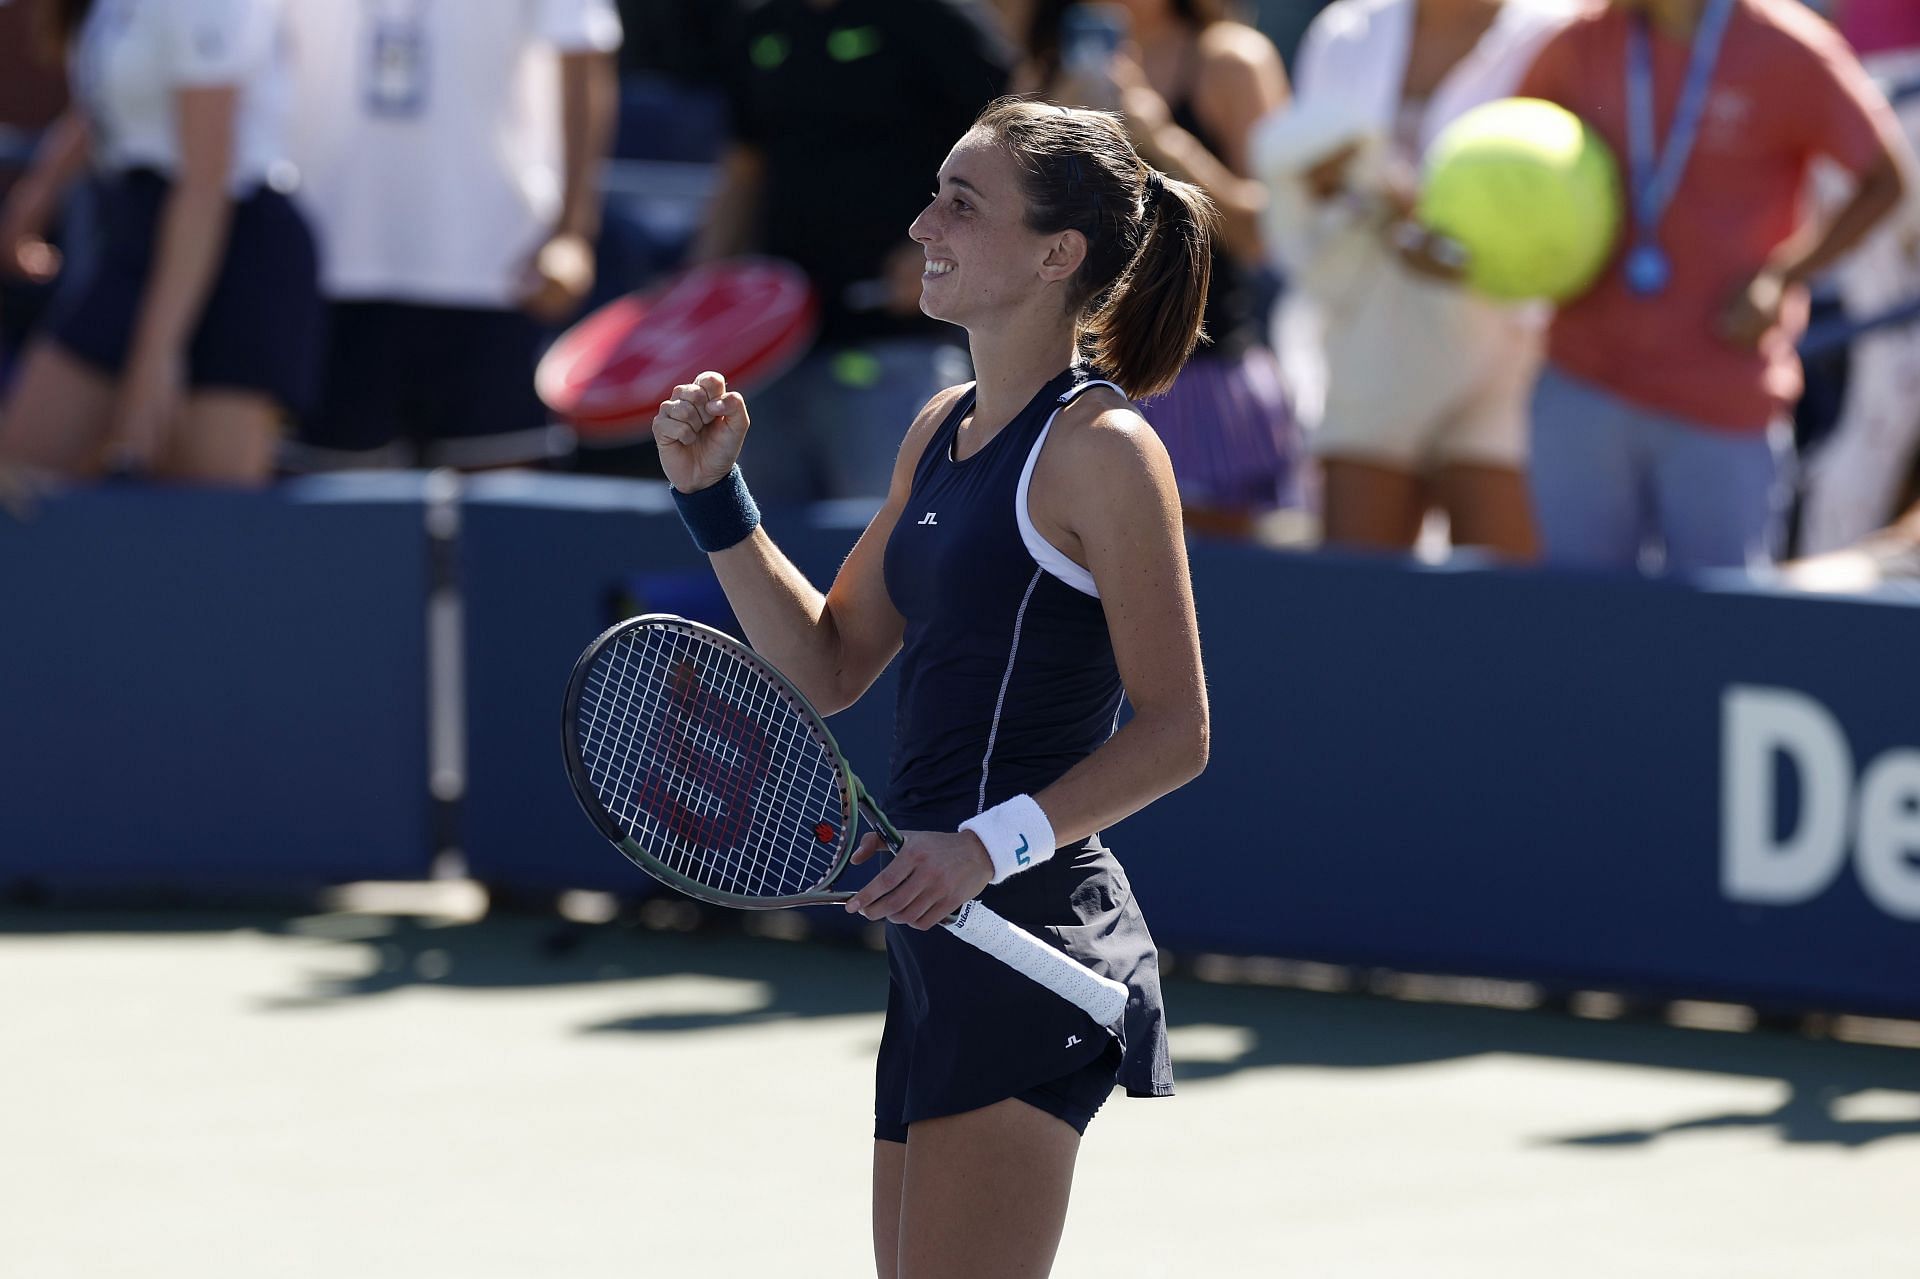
(1028, 562)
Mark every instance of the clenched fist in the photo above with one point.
(700, 431)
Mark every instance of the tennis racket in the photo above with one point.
(710, 771)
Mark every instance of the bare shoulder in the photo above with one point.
(1227, 46)
(1104, 494)
(1240, 79)
(1108, 447)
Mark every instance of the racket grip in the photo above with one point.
(1101, 998)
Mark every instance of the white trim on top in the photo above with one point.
(1045, 553)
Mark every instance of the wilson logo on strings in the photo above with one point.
(708, 758)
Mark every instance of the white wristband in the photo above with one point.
(1017, 834)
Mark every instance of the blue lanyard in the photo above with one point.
(1657, 177)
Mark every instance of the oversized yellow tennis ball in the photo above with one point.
(1531, 192)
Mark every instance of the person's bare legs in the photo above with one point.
(983, 1194)
(1369, 505)
(223, 437)
(1487, 506)
(58, 414)
(889, 1172)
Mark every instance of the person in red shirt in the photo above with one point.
(1661, 415)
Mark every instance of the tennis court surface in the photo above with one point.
(380, 1092)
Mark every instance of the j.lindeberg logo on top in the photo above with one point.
(929, 518)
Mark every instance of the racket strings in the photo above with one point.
(708, 766)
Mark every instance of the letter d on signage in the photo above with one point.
(1755, 866)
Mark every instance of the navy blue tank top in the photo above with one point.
(1007, 680)
(1007, 675)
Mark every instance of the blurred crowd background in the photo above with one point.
(243, 239)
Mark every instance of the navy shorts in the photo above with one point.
(260, 327)
(1075, 1097)
(454, 383)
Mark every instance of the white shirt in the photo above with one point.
(1351, 293)
(133, 56)
(1348, 77)
(427, 133)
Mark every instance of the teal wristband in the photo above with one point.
(720, 515)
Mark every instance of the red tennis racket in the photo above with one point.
(749, 317)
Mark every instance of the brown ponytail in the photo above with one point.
(1146, 329)
(1139, 297)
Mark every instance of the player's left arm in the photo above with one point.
(1108, 487)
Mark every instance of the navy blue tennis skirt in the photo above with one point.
(261, 326)
(964, 1030)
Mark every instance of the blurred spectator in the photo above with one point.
(32, 88)
(679, 38)
(178, 350)
(451, 156)
(1857, 477)
(673, 106)
(1661, 413)
(1190, 85)
(1426, 383)
(1885, 557)
(32, 96)
(1015, 17)
(862, 96)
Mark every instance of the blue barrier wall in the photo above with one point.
(1579, 781)
(547, 563)
(1468, 770)
(1517, 774)
(215, 689)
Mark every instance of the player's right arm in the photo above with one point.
(832, 645)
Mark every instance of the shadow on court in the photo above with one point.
(1807, 1117)
(1264, 1028)
(1295, 1028)
(504, 954)
(159, 919)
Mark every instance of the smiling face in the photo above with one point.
(982, 259)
